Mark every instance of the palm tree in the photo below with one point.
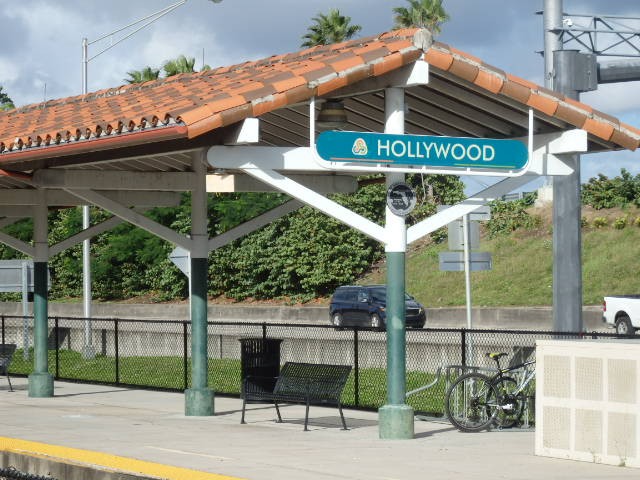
(5, 102)
(144, 75)
(427, 14)
(330, 28)
(181, 64)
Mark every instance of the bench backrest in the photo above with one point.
(6, 353)
(318, 381)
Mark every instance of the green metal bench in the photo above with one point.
(304, 383)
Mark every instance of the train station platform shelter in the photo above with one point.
(253, 126)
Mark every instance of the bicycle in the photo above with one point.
(476, 401)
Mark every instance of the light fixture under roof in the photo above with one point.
(332, 115)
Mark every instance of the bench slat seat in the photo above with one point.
(306, 383)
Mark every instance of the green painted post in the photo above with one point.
(199, 398)
(396, 417)
(396, 370)
(40, 380)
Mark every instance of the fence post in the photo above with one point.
(185, 349)
(3, 330)
(117, 351)
(463, 333)
(356, 369)
(56, 330)
(264, 330)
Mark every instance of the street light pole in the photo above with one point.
(89, 350)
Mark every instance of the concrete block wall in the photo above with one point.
(588, 401)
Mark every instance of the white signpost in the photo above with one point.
(181, 258)
(464, 234)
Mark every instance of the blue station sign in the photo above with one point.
(423, 150)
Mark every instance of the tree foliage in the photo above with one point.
(429, 14)
(5, 101)
(181, 64)
(604, 192)
(508, 216)
(144, 75)
(330, 28)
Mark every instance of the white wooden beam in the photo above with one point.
(132, 217)
(548, 148)
(319, 202)
(60, 198)
(246, 131)
(245, 183)
(253, 224)
(445, 217)
(5, 222)
(114, 180)
(90, 232)
(16, 211)
(16, 244)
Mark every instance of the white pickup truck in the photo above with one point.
(622, 312)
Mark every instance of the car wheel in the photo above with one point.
(337, 319)
(623, 326)
(376, 322)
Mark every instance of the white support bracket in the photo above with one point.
(253, 224)
(548, 149)
(241, 133)
(5, 222)
(18, 245)
(133, 217)
(319, 202)
(445, 217)
(111, 180)
(84, 235)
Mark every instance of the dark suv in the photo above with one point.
(365, 306)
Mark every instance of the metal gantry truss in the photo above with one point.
(603, 35)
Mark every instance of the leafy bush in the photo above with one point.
(603, 192)
(620, 223)
(600, 222)
(507, 217)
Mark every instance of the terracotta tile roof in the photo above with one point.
(188, 105)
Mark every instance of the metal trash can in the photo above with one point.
(259, 363)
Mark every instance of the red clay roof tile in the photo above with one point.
(207, 100)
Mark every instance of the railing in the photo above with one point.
(155, 353)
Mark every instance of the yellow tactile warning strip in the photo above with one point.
(105, 461)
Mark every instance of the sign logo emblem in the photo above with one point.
(360, 147)
(401, 199)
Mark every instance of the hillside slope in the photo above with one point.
(522, 264)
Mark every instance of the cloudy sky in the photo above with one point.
(41, 54)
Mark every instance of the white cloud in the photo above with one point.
(9, 71)
(615, 98)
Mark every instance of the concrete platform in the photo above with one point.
(146, 432)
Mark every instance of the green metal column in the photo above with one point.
(199, 399)
(396, 417)
(40, 380)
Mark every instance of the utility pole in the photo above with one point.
(571, 72)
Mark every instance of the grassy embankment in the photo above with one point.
(522, 265)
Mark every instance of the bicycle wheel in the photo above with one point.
(470, 402)
(510, 404)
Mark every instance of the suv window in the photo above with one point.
(363, 296)
(346, 295)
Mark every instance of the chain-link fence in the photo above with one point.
(156, 353)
